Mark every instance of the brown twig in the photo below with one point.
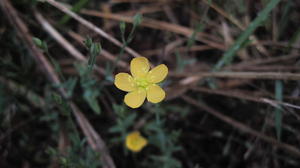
(195, 48)
(91, 26)
(242, 127)
(93, 138)
(245, 96)
(157, 7)
(254, 62)
(239, 75)
(269, 68)
(161, 25)
(62, 41)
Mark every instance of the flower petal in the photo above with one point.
(157, 74)
(139, 67)
(135, 98)
(135, 142)
(124, 82)
(155, 93)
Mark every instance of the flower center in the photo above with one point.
(140, 82)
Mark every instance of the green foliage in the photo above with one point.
(94, 50)
(165, 142)
(157, 134)
(163, 139)
(91, 88)
(124, 121)
(62, 104)
(77, 156)
(137, 19)
(70, 84)
(41, 44)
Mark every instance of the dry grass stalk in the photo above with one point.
(242, 127)
(91, 26)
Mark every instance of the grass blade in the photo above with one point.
(229, 54)
(278, 110)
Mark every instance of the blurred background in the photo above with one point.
(232, 88)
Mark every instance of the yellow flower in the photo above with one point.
(142, 83)
(135, 142)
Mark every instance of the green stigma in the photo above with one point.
(143, 83)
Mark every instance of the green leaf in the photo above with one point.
(128, 121)
(115, 129)
(90, 97)
(69, 85)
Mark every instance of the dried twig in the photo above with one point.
(244, 96)
(288, 148)
(91, 26)
(161, 25)
(270, 60)
(62, 41)
(58, 37)
(195, 48)
(239, 75)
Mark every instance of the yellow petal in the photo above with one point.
(135, 142)
(124, 82)
(155, 93)
(139, 67)
(135, 98)
(157, 74)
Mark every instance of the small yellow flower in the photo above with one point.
(135, 142)
(142, 83)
